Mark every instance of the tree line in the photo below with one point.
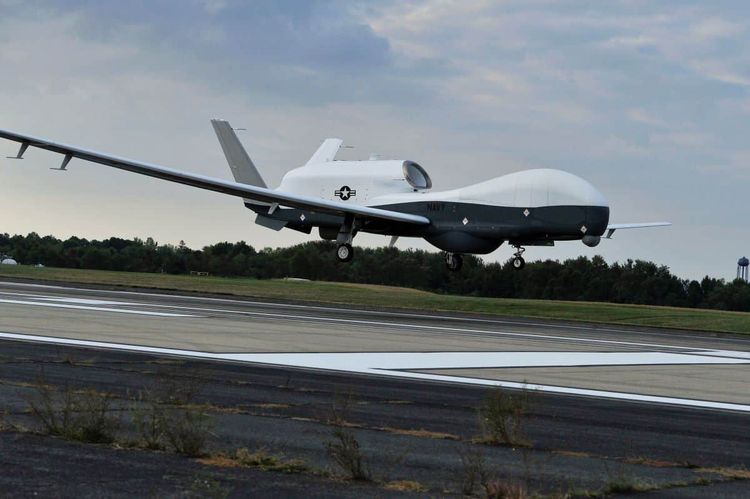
(582, 278)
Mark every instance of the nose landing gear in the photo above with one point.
(453, 262)
(518, 261)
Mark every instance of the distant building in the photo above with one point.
(8, 261)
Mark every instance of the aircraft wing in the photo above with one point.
(261, 194)
(611, 228)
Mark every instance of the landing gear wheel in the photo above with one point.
(518, 261)
(345, 252)
(453, 262)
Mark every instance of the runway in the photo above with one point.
(631, 364)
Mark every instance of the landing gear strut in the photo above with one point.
(345, 252)
(453, 262)
(518, 261)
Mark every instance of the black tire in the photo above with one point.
(519, 263)
(345, 252)
(454, 262)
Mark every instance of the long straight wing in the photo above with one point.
(246, 191)
(611, 228)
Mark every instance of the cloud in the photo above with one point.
(637, 97)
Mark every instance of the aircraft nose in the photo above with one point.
(564, 188)
(597, 219)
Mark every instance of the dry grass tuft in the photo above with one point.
(501, 489)
(654, 463)
(571, 453)
(726, 472)
(265, 461)
(405, 486)
(219, 460)
(270, 405)
(421, 433)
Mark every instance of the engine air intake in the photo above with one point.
(416, 175)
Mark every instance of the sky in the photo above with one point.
(648, 101)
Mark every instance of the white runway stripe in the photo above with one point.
(92, 308)
(396, 364)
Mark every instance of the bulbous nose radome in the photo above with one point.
(564, 188)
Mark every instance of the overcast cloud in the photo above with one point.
(649, 101)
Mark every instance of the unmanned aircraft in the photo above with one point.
(391, 197)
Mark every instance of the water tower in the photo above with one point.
(742, 269)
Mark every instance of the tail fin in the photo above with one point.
(326, 152)
(242, 166)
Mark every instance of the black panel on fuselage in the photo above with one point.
(468, 227)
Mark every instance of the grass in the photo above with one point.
(403, 298)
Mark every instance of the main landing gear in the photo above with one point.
(518, 261)
(345, 252)
(453, 262)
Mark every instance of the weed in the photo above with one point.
(474, 476)
(166, 416)
(499, 489)
(344, 449)
(186, 429)
(620, 482)
(347, 454)
(502, 417)
(473, 471)
(149, 420)
(84, 415)
(340, 407)
(176, 389)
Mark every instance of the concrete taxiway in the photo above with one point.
(634, 364)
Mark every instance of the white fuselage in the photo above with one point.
(383, 183)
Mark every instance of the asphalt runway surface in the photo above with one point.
(665, 408)
(646, 365)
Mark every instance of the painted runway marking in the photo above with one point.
(80, 301)
(396, 365)
(448, 329)
(92, 308)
